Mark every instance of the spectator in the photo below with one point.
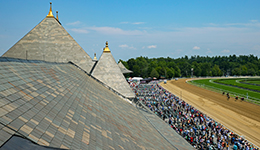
(201, 131)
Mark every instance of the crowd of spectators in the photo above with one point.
(201, 131)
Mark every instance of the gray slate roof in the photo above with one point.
(123, 68)
(58, 105)
(108, 72)
(49, 41)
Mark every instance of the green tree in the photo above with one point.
(224, 64)
(216, 71)
(185, 68)
(171, 64)
(136, 71)
(169, 72)
(202, 65)
(205, 69)
(196, 69)
(160, 71)
(236, 72)
(251, 72)
(131, 63)
(177, 71)
(243, 69)
(153, 64)
(154, 73)
(143, 66)
(162, 63)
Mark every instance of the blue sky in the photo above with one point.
(149, 28)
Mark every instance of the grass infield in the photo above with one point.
(237, 82)
(210, 84)
(252, 81)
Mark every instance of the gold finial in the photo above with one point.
(57, 15)
(106, 49)
(50, 15)
(95, 57)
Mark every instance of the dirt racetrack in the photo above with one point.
(239, 116)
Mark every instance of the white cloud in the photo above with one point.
(124, 22)
(206, 30)
(138, 23)
(225, 51)
(209, 51)
(213, 24)
(73, 23)
(115, 31)
(254, 21)
(221, 39)
(123, 46)
(79, 30)
(196, 47)
(152, 46)
(108, 31)
(126, 46)
(251, 23)
(132, 47)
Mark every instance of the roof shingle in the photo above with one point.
(58, 105)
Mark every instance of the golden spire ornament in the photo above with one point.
(106, 49)
(50, 15)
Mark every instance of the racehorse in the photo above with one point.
(228, 97)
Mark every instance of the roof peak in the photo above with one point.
(57, 15)
(50, 15)
(95, 57)
(106, 49)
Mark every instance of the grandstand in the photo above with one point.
(54, 96)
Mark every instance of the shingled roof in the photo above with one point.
(48, 103)
(123, 68)
(49, 41)
(58, 105)
(108, 72)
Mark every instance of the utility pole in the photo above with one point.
(192, 72)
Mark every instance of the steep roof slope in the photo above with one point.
(123, 68)
(49, 41)
(108, 72)
(58, 105)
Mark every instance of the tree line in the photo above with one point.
(193, 66)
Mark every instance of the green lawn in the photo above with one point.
(209, 84)
(236, 82)
(253, 81)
